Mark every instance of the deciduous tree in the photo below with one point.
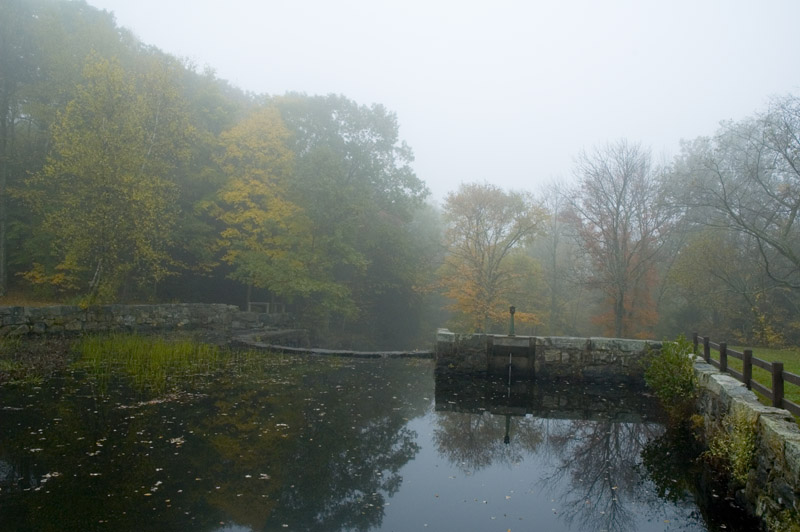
(105, 195)
(747, 178)
(355, 182)
(621, 223)
(485, 226)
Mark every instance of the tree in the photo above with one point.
(266, 237)
(621, 223)
(105, 195)
(13, 69)
(563, 267)
(723, 295)
(743, 185)
(485, 226)
(354, 180)
(747, 179)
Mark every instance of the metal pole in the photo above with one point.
(512, 310)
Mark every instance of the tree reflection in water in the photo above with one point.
(598, 462)
(475, 441)
(592, 437)
(301, 444)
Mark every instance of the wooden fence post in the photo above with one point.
(694, 341)
(723, 357)
(777, 384)
(707, 349)
(747, 367)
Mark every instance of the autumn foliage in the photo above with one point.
(485, 228)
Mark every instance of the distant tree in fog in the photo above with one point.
(748, 177)
(743, 185)
(621, 224)
(485, 226)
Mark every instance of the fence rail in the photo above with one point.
(775, 393)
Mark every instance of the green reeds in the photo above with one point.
(153, 362)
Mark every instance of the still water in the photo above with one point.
(337, 444)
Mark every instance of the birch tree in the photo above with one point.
(106, 195)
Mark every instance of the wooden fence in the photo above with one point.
(779, 377)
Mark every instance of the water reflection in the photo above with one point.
(599, 462)
(590, 436)
(319, 444)
(304, 445)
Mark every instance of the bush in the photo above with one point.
(670, 374)
(733, 447)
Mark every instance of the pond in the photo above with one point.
(312, 443)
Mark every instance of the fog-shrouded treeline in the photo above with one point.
(127, 175)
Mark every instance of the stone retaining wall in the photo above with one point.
(772, 489)
(61, 319)
(542, 357)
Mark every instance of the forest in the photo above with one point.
(128, 175)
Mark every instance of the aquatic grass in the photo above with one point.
(157, 363)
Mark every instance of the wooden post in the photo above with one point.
(723, 357)
(694, 341)
(707, 349)
(777, 384)
(747, 367)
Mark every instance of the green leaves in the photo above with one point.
(106, 194)
(670, 373)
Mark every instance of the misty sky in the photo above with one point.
(504, 91)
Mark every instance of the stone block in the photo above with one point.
(791, 456)
(512, 341)
(552, 355)
(19, 330)
(562, 342)
(445, 336)
(73, 325)
(617, 345)
(746, 404)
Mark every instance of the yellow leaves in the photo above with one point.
(480, 274)
(265, 234)
(38, 275)
(106, 193)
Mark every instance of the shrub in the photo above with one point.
(733, 447)
(670, 374)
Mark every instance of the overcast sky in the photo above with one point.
(501, 91)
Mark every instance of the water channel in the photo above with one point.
(314, 443)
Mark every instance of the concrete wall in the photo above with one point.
(542, 357)
(62, 319)
(773, 486)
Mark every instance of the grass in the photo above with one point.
(791, 363)
(157, 363)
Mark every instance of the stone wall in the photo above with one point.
(67, 319)
(544, 357)
(772, 489)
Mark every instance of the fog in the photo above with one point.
(507, 92)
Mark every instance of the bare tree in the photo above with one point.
(621, 223)
(747, 179)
